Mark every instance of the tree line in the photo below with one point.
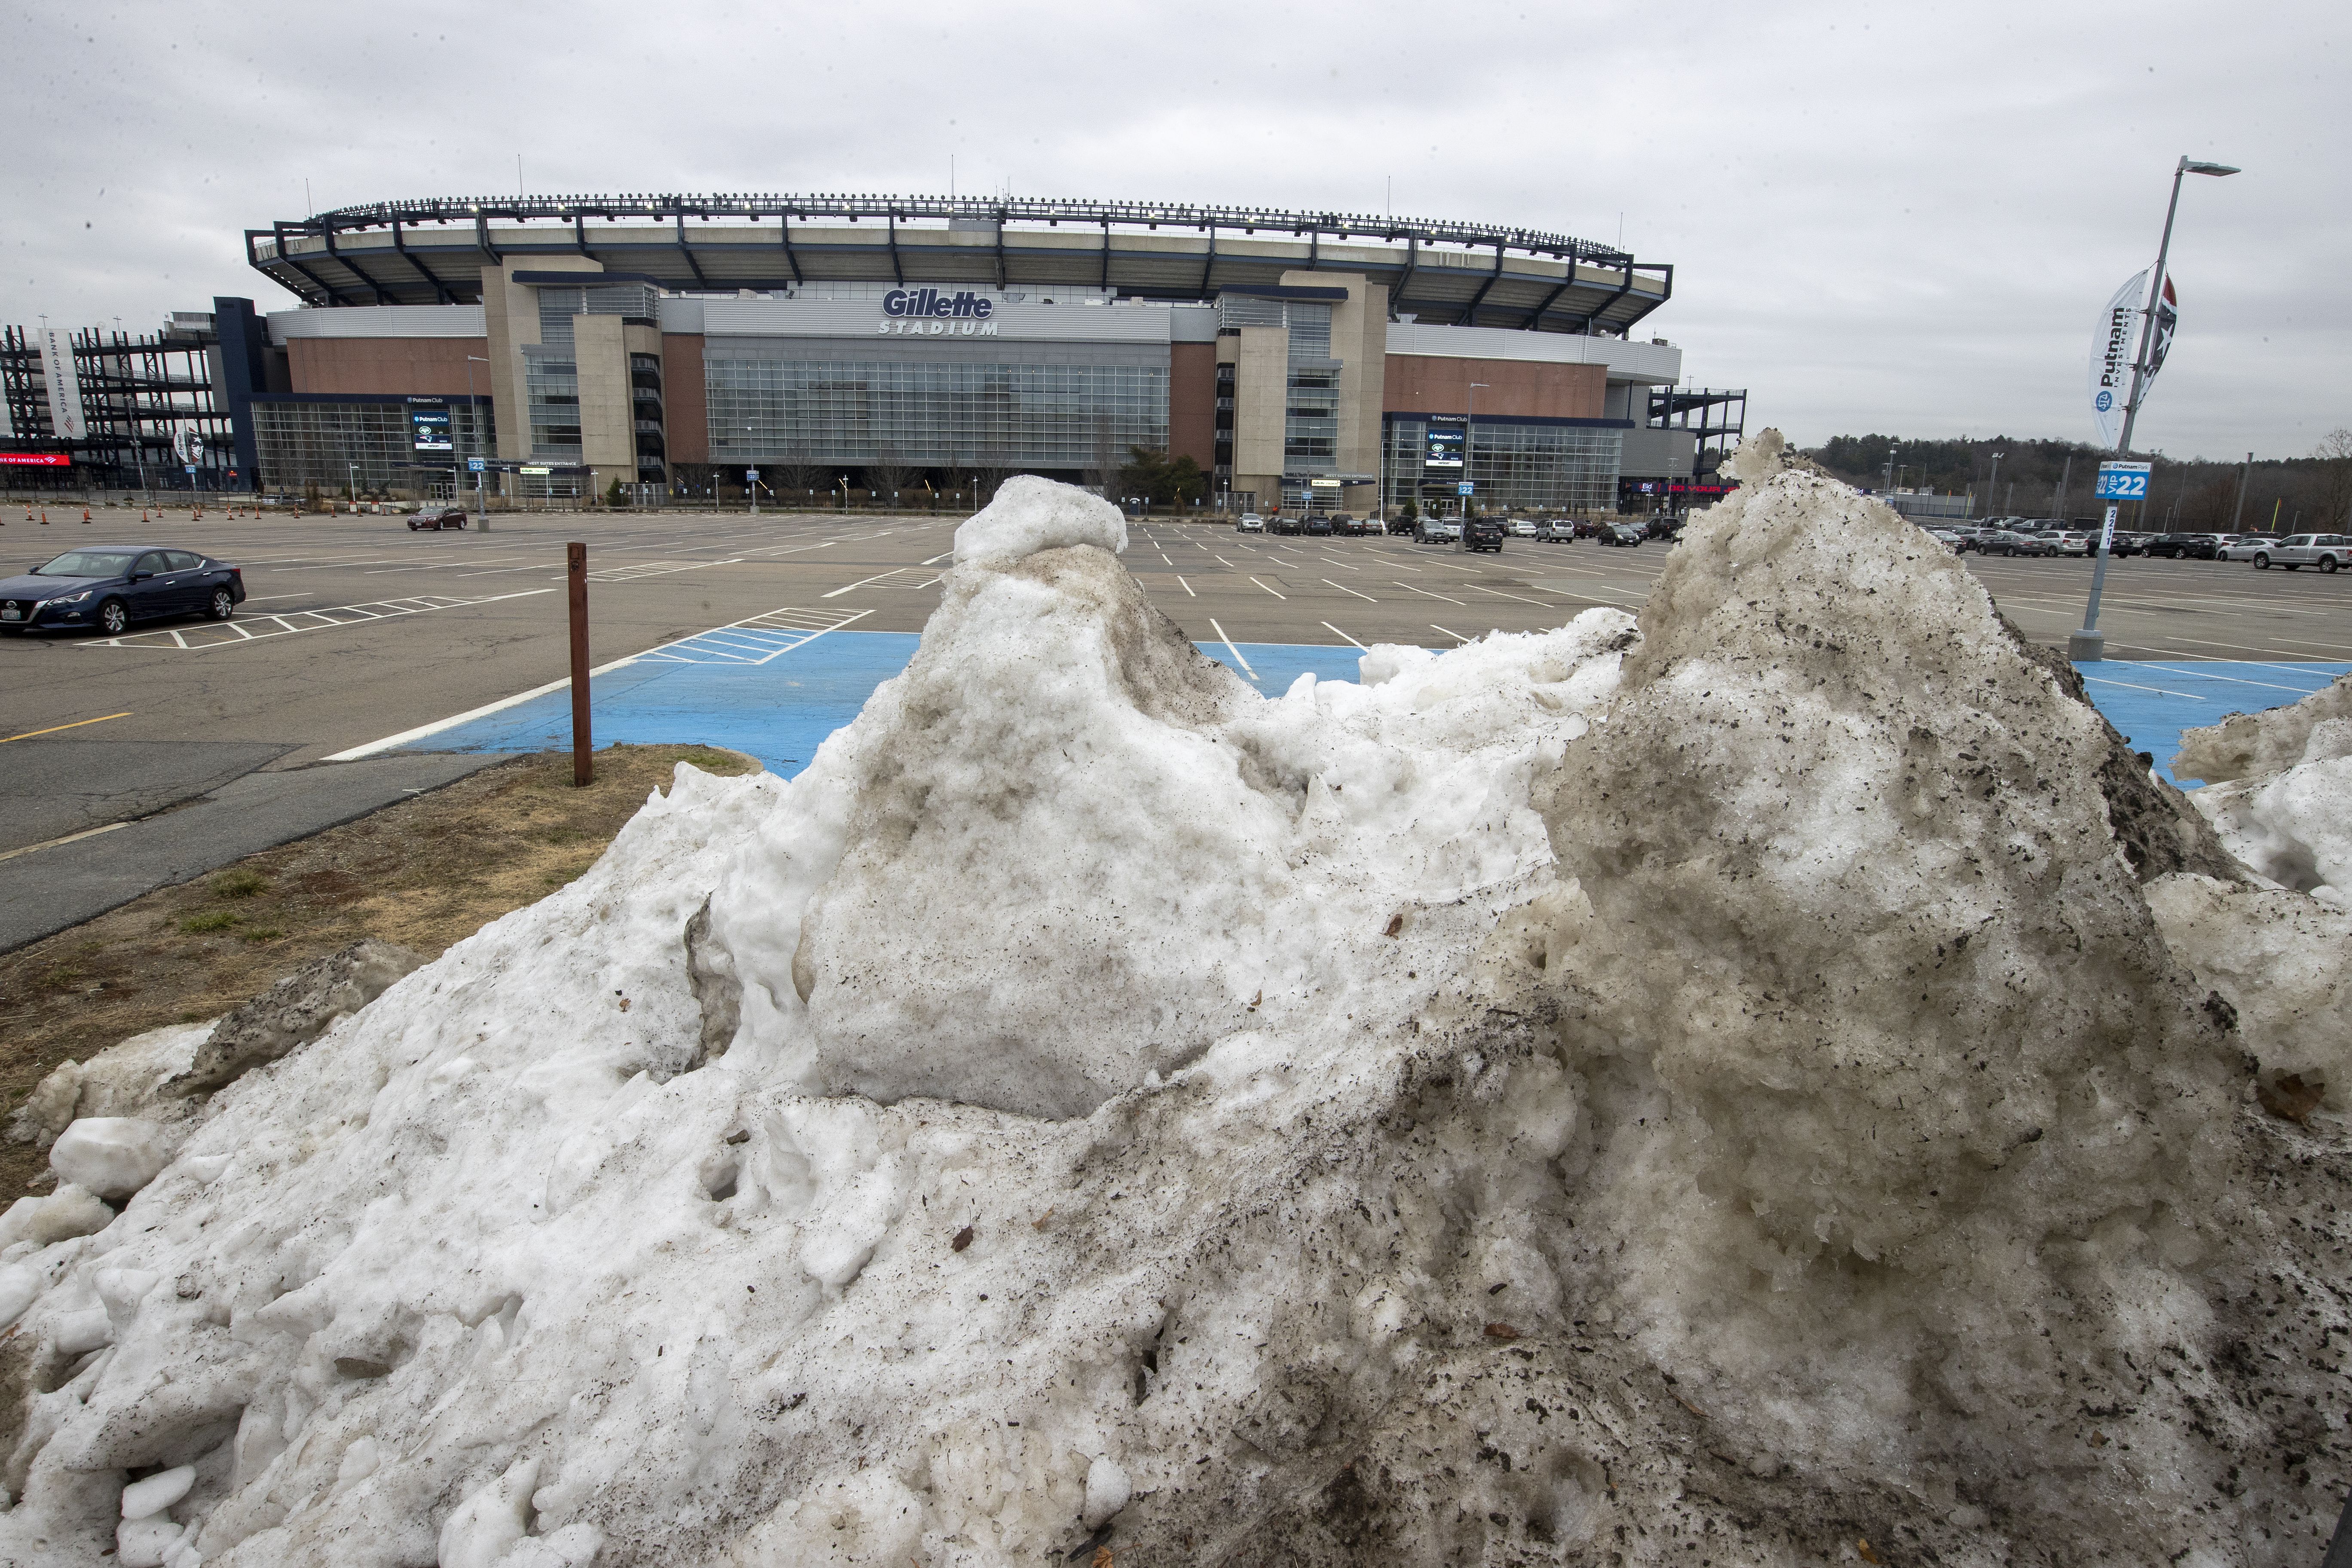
(2053, 478)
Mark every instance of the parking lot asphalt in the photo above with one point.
(357, 629)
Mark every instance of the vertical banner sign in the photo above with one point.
(65, 420)
(2111, 358)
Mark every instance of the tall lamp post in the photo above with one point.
(2089, 643)
(1469, 442)
(481, 500)
(1992, 485)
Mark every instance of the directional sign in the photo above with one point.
(474, 465)
(2123, 481)
(1463, 487)
(751, 475)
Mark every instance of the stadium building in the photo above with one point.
(685, 346)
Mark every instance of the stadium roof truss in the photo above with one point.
(432, 252)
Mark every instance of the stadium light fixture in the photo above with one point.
(2190, 166)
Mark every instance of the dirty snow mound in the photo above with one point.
(2243, 745)
(1585, 1095)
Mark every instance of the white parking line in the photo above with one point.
(1186, 586)
(236, 634)
(1270, 591)
(1457, 637)
(838, 593)
(1366, 597)
(1231, 649)
(1427, 595)
(1343, 637)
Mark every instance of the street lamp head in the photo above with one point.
(2191, 166)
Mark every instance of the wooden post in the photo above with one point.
(575, 567)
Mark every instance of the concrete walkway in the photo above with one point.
(46, 888)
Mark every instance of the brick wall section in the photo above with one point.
(1193, 403)
(409, 366)
(686, 404)
(1430, 383)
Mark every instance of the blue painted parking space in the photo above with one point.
(777, 697)
(776, 691)
(2152, 703)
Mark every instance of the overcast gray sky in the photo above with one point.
(1882, 218)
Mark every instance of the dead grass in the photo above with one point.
(424, 873)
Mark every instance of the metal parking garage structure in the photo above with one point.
(431, 251)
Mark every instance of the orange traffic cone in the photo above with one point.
(85, 514)
(45, 519)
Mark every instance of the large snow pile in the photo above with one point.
(1712, 1092)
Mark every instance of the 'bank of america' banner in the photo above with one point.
(66, 421)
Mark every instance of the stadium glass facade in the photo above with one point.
(1512, 464)
(1065, 409)
(380, 443)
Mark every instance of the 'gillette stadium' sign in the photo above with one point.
(937, 314)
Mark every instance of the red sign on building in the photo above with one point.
(36, 459)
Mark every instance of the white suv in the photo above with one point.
(1250, 524)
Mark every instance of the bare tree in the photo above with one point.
(989, 469)
(888, 474)
(1103, 464)
(2335, 488)
(795, 473)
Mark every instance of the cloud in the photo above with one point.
(1880, 218)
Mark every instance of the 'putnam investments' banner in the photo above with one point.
(2111, 357)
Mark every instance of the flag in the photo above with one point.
(2168, 315)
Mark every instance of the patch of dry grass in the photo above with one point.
(424, 873)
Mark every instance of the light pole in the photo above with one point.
(481, 498)
(2089, 643)
(1469, 442)
(354, 477)
(751, 475)
(2238, 516)
(1993, 484)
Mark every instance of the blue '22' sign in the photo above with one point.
(2123, 481)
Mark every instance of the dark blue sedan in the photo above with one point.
(108, 586)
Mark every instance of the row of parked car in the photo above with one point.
(1487, 532)
(2021, 536)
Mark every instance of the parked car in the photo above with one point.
(1286, 522)
(2186, 546)
(2246, 546)
(109, 587)
(1318, 526)
(1623, 535)
(1249, 522)
(1555, 530)
(1342, 523)
(1523, 528)
(1404, 525)
(436, 518)
(2325, 550)
(1484, 534)
(2003, 541)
